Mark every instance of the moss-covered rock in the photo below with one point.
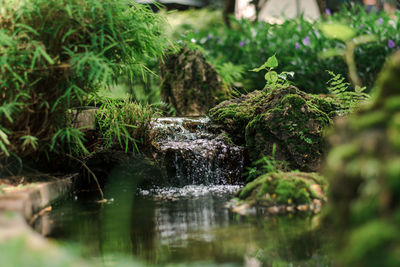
(189, 83)
(284, 189)
(287, 117)
(363, 167)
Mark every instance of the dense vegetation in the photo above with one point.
(55, 55)
(299, 43)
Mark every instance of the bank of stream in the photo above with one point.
(186, 221)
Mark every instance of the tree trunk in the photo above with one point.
(229, 9)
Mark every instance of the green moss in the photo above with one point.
(376, 118)
(393, 174)
(338, 156)
(265, 188)
(394, 131)
(282, 188)
(285, 191)
(392, 104)
(364, 209)
(293, 100)
(372, 241)
(326, 104)
(286, 117)
(248, 189)
(388, 82)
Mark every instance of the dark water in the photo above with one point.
(185, 226)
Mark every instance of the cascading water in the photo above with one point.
(191, 154)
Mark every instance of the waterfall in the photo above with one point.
(191, 154)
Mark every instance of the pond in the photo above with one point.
(188, 226)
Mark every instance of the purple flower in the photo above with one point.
(380, 21)
(242, 43)
(328, 11)
(306, 40)
(391, 43)
(297, 46)
(260, 26)
(299, 28)
(210, 36)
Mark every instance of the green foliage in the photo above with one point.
(230, 73)
(363, 172)
(348, 100)
(266, 165)
(298, 43)
(337, 31)
(54, 54)
(272, 78)
(124, 123)
(346, 35)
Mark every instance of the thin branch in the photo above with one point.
(91, 173)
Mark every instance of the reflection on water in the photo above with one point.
(187, 225)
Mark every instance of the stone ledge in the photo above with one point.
(18, 205)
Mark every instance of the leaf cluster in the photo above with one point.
(343, 94)
(124, 124)
(55, 54)
(273, 79)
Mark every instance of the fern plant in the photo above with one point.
(341, 90)
(55, 54)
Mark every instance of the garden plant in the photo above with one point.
(55, 55)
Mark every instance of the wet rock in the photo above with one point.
(190, 154)
(363, 168)
(189, 83)
(286, 118)
(281, 192)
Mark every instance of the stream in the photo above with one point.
(186, 222)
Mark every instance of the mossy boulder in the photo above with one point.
(189, 83)
(287, 118)
(363, 167)
(284, 189)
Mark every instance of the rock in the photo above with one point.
(363, 168)
(286, 118)
(287, 189)
(317, 190)
(273, 210)
(242, 209)
(189, 83)
(302, 207)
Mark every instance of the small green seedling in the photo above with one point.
(272, 78)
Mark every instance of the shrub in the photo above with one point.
(54, 54)
(124, 123)
(298, 43)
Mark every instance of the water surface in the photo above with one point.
(187, 225)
